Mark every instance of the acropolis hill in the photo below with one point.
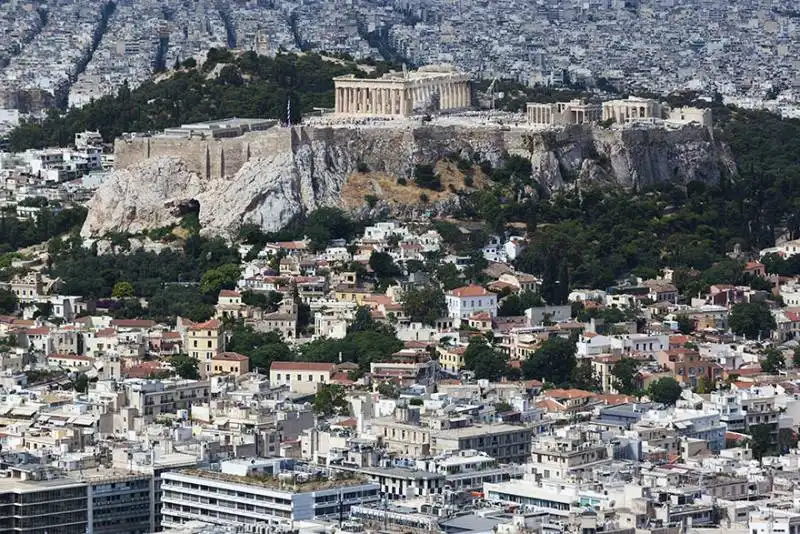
(268, 176)
(257, 171)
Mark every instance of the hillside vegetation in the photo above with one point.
(225, 85)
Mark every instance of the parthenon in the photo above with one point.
(399, 94)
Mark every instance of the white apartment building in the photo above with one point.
(567, 454)
(465, 301)
(258, 491)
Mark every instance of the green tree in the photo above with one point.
(330, 400)
(325, 224)
(665, 390)
(772, 361)
(262, 348)
(486, 362)
(222, 277)
(384, 266)
(122, 290)
(516, 304)
(554, 361)
(389, 390)
(626, 373)
(502, 407)
(796, 357)
(184, 366)
(268, 301)
(81, 383)
(8, 301)
(426, 304)
(752, 320)
(583, 377)
(685, 324)
(43, 310)
(760, 440)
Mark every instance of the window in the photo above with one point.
(310, 378)
(299, 378)
(209, 343)
(278, 376)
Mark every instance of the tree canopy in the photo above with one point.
(248, 86)
(751, 319)
(665, 390)
(554, 361)
(426, 304)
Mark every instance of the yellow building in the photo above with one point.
(230, 363)
(204, 342)
(351, 294)
(451, 359)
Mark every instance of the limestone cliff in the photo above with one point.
(304, 167)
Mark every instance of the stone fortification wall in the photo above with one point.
(266, 178)
(208, 158)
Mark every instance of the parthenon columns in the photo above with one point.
(393, 95)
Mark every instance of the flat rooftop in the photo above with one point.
(479, 430)
(275, 483)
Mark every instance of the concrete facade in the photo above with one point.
(400, 94)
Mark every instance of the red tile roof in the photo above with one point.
(213, 324)
(231, 357)
(133, 323)
(468, 291)
(302, 366)
(229, 293)
(43, 331)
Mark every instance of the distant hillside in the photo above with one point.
(225, 85)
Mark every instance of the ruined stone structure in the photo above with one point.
(400, 94)
(214, 152)
(631, 109)
(563, 113)
(687, 115)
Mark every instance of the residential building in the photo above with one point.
(505, 443)
(567, 454)
(464, 301)
(204, 341)
(248, 492)
(230, 363)
(301, 377)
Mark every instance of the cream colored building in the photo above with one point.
(631, 109)
(399, 94)
(563, 113)
(301, 377)
(204, 341)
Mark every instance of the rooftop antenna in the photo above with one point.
(289, 112)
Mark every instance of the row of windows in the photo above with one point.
(298, 377)
(228, 492)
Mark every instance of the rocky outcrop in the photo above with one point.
(143, 197)
(310, 166)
